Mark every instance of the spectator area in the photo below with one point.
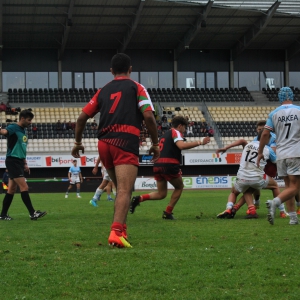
(272, 93)
(40, 95)
(200, 95)
(73, 95)
(230, 122)
(240, 113)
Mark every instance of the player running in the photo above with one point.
(104, 184)
(167, 167)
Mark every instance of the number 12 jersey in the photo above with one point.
(248, 169)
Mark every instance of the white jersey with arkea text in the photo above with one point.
(285, 122)
(248, 169)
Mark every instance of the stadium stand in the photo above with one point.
(271, 93)
(232, 113)
(201, 95)
(45, 120)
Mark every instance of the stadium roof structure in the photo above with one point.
(151, 24)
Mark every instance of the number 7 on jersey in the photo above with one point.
(116, 98)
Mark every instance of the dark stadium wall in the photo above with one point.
(143, 171)
(295, 63)
(151, 60)
(29, 60)
(34, 60)
(82, 60)
(260, 60)
(99, 60)
(208, 61)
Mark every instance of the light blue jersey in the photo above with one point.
(74, 170)
(285, 122)
(272, 140)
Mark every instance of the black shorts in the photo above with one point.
(15, 167)
(172, 169)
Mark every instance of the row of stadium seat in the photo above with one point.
(50, 114)
(46, 118)
(165, 91)
(90, 144)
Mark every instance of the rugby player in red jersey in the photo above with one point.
(123, 105)
(167, 167)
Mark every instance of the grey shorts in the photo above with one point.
(75, 180)
(288, 166)
(242, 185)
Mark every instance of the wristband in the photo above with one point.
(78, 143)
(155, 145)
(199, 143)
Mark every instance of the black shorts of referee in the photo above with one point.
(15, 167)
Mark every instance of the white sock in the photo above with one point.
(293, 215)
(277, 201)
(98, 194)
(229, 205)
(281, 207)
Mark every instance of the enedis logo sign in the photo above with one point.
(233, 179)
(188, 182)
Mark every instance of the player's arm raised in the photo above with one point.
(240, 142)
(183, 146)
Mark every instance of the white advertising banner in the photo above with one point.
(190, 159)
(201, 182)
(42, 161)
(196, 159)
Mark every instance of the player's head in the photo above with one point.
(120, 64)
(180, 123)
(75, 162)
(259, 135)
(260, 125)
(26, 114)
(25, 118)
(285, 93)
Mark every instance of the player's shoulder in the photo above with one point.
(253, 142)
(13, 126)
(295, 106)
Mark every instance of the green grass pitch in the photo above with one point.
(65, 254)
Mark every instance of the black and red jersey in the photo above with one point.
(170, 154)
(121, 104)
